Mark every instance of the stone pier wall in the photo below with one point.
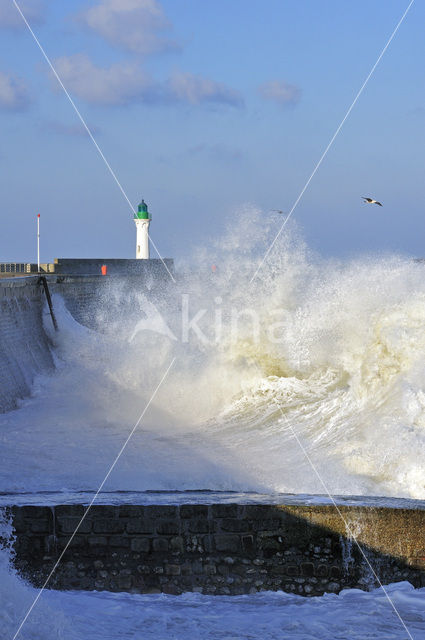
(106, 303)
(24, 346)
(221, 548)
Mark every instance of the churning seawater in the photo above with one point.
(332, 351)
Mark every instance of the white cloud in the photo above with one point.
(280, 92)
(123, 84)
(10, 17)
(14, 95)
(138, 25)
(187, 87)
(119, 84)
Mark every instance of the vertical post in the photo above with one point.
(38, 243)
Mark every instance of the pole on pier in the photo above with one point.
(38, 242)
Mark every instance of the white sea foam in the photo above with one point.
(351, 615)
(16, 598)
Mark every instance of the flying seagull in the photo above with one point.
(371, 201)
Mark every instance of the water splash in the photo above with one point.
(16, 597)
(334, 350)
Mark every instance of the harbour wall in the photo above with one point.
(219, 548)
(24, 345)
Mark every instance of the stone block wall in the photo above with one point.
(24, 346)
(84, 296)
(159, 269)
(107, 303)
(219, 549)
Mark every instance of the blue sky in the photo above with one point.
(203, 107)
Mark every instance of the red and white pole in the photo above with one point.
(38, 243)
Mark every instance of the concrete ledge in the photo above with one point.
(219, 548)
(115, 266)
(89, 266)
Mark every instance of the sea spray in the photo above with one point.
(16, 597)
(352, 614)
(331, 351)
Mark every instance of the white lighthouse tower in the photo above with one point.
(142, 219)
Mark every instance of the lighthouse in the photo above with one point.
(142, 219)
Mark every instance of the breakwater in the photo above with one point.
(219, 548)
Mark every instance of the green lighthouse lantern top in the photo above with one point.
(142, 212)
